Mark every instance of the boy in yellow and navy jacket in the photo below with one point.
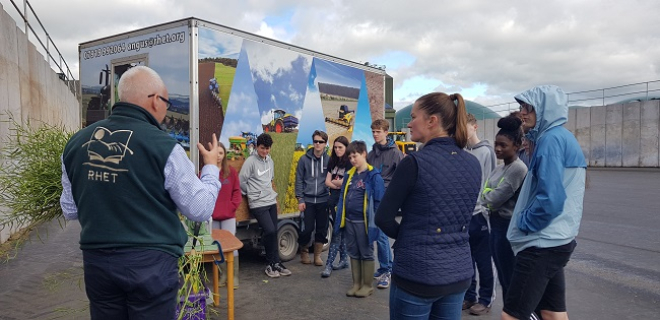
(361, 192)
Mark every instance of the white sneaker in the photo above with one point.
(272, 272)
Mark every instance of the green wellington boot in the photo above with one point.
(367, 287)
(356, 270)
(223, 275)
(235, 272)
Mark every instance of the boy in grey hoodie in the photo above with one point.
(312, 195)
(256, 179)
(479, 234)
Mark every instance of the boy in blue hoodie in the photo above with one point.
(547, 215)
(361, 192)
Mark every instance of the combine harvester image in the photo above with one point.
(345, 117)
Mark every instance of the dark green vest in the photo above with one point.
(116, 168)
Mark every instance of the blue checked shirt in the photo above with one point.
(195, 197)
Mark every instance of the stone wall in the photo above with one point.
(29, 88)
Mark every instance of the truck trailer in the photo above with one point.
(237, 85)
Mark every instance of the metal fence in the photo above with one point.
(641, 91)
(57, 63)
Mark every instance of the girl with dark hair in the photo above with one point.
(436, 189)
(338, 166)
(501, 193)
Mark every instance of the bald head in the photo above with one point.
(139, 82)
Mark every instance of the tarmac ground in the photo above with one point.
(614, 272)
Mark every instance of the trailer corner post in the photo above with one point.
(194, 93)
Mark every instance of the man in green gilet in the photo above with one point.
(123, 179)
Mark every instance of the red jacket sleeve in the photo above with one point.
(235, 190)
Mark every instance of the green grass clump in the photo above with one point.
(31, 173)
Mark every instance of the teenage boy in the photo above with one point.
(312, 195)
(361, 193)
(384, 156)
(256, 180)
(478, 231)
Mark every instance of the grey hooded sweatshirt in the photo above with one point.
(485, 153)
(310, 178)
(385, 158)
(256, 181)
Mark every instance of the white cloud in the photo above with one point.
(505, 46)
(266, 117)
(268, 61)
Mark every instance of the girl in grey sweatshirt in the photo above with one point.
(500, 194)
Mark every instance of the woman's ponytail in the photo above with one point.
(460, 134)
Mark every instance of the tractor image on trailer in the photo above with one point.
(281, 122)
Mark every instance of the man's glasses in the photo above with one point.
(319, 141)
(169, 104)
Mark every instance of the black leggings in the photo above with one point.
(267, 219)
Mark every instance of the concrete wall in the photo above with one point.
(622, 135)
(29, 88)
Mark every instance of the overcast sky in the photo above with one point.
(486, 50)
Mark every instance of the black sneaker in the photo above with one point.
(272, 272)
(279, 267)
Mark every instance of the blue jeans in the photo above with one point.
(480, 249)
(384, 253)
(405, 306)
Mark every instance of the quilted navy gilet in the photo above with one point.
(432, 246)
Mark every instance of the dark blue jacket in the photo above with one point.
(432, 245)
(374, 190)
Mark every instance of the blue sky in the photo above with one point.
(362, 127)
(218, 44)
(242, 109)
(312, 113)
(339, 74)
(279, 76)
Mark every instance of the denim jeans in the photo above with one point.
(384, 253)
(405, 306)
(481, 258)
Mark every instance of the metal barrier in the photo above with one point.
(60, 63)
(641, 91)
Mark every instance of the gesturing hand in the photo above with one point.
(209, 156)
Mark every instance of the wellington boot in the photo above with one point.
(356, 270)
(235, 272)
(223, 275)
(318, 248)
(326, 271)
(367, 287)
(304, 255)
